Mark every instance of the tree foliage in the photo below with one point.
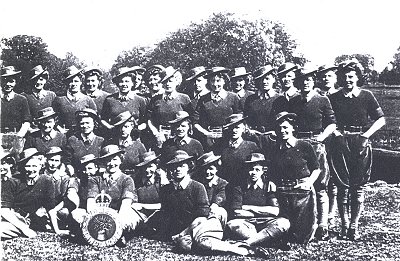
(391, 74)
(222, 40)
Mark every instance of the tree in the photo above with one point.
(391, 74)
(370, 76)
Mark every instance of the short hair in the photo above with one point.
(95, 73)
(223, 75)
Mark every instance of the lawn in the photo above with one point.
(380, 240)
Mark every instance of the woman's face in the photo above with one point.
(154, 83)
(211, 171)
(238, 84)
(350, 80)
(181, 129)
(5, 169)
(255, 172)
(92, 83)
(86, 125)
(307, 84)
(150, 170)
(33, 167)
(180, 171)
(138, 80)
(53, 163)
(125, 84)
(288, 79)
(170, 84)
(285, 130)
(90, 169)
(237, 131)
(47, 125)
(200, 83)
(267, 82)
(8, 84)
(74, 84)
(217, 83)
(39, 83)
(329, 79)
(126, 129)
(113, 164)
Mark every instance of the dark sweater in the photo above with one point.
(211, 113)
(258, 112)
(113, 106)
(355, 111)
(14, 113)
(216, 193)
(36, 104)
(66, 109)
(313, 115)
(132, 155)
(99, 98)
(169, 147)
(76, 148)
(181, 207)
(35, 140)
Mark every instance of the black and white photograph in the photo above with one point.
(200, 130)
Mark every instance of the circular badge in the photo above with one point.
(102, 227)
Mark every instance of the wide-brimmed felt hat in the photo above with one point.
(121, 72)
(207, 159)
(255, 158)
(147, 158)
(196, 72)
(71, 72)
(168, 73)
(138, 69)
(109, 151)
(306, 70)
(179, 116)
(87, 159)
(9, 71)
(121, 118)
(27, 154)
(179, 157)
(285, 115)
(233, 120)
(238, 72)
(155, 68)
(352, 64)
(87, 112)
(285, 68)
(325, 68)
(37, 71)
(8, 158)
(218, 69)
(54, 151)
(263, 70)
(45, 113)
(89, 69)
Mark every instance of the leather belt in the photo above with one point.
(308, 134)
(353, 129)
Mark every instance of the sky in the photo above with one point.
(97, 31)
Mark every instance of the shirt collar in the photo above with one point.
(266, 95)
(213, 181)
(128, 96)
(235, 143)
(197, 95)
(184, 182)
(353, 93)
(291, 142)
(89, 138)
(241, 93)
(171, 95)
(126, 142)
(259, 184)
(40, 94)
(75, 97)
(95, 94)
(185, 140)
(8, 96)
(221, 94)
(308, 95)
(52, 134)
(292, 91)
(148, 182)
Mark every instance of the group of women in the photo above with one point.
(259, 166)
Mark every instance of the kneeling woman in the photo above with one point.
(294, 169)
(117, 185)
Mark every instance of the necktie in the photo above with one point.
(179, 187)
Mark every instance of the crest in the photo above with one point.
(102, 227)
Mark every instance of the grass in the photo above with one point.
(380, 238)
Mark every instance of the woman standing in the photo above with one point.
(93, 83)
(351, 155)
(294, 169)
(239, 84)
(66, 106)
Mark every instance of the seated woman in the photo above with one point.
(148, 184)
(294, 169)
(119, 186)
(255, 208)
(26, 201)
(208, 166)
(84, 141)
(181, 128)
(183, 199)
(47, 136)
(124, 125)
